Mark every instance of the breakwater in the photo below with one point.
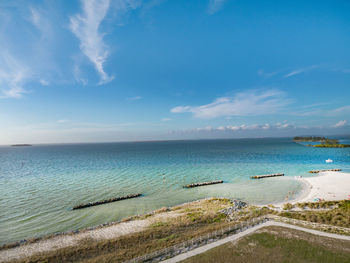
(202, 184)
(327, 170)
(105, 201)
(266, 176)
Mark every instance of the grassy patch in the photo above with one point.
(338, 216)
(276, 244)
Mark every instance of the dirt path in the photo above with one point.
(207, 247)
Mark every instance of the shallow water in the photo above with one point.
(40, 184)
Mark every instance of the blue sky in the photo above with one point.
(99, 70)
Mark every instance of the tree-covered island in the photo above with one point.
(324, 142)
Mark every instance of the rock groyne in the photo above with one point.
(105, 201)
(266, 176)
(327, 170)
(202, 184)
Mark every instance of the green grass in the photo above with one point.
(276, 244)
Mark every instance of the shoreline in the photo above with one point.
(326, 185)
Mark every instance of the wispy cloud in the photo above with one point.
(214, 6)
(63, 121)
(44, 82)
(241, 104)
(86, 28)
(308, 110)
(39, 19)
(299, 71)
(340, 124)
(267, 75)
(166, 119)
(134, 98)
(339, 111)
(148, 5)
(13, 76)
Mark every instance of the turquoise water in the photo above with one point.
(40, 184)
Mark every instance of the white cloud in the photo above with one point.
(242, 104)
(13, 75)
(35, 17)
(340, 124)
(134, 98)
(166, 119)
(44, 82)
(86, 28)
(63, 121)
(214, 6)
(298, 71)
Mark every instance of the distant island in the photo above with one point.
(20, 145)
(324, 142)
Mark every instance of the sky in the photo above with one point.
(130, 70)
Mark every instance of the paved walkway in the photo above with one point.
(207, 247)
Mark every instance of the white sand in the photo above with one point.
(326, 185)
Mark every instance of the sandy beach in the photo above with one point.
(325, 186)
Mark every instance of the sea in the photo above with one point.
(40, 184)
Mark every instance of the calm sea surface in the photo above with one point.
(40, 184)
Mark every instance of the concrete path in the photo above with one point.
(234, 237)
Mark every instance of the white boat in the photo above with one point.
(329, 161)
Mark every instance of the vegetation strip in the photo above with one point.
(202, 184)
(327, 170)
(266, 176)
(106, 201)
(199, 241)
(200, 220)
